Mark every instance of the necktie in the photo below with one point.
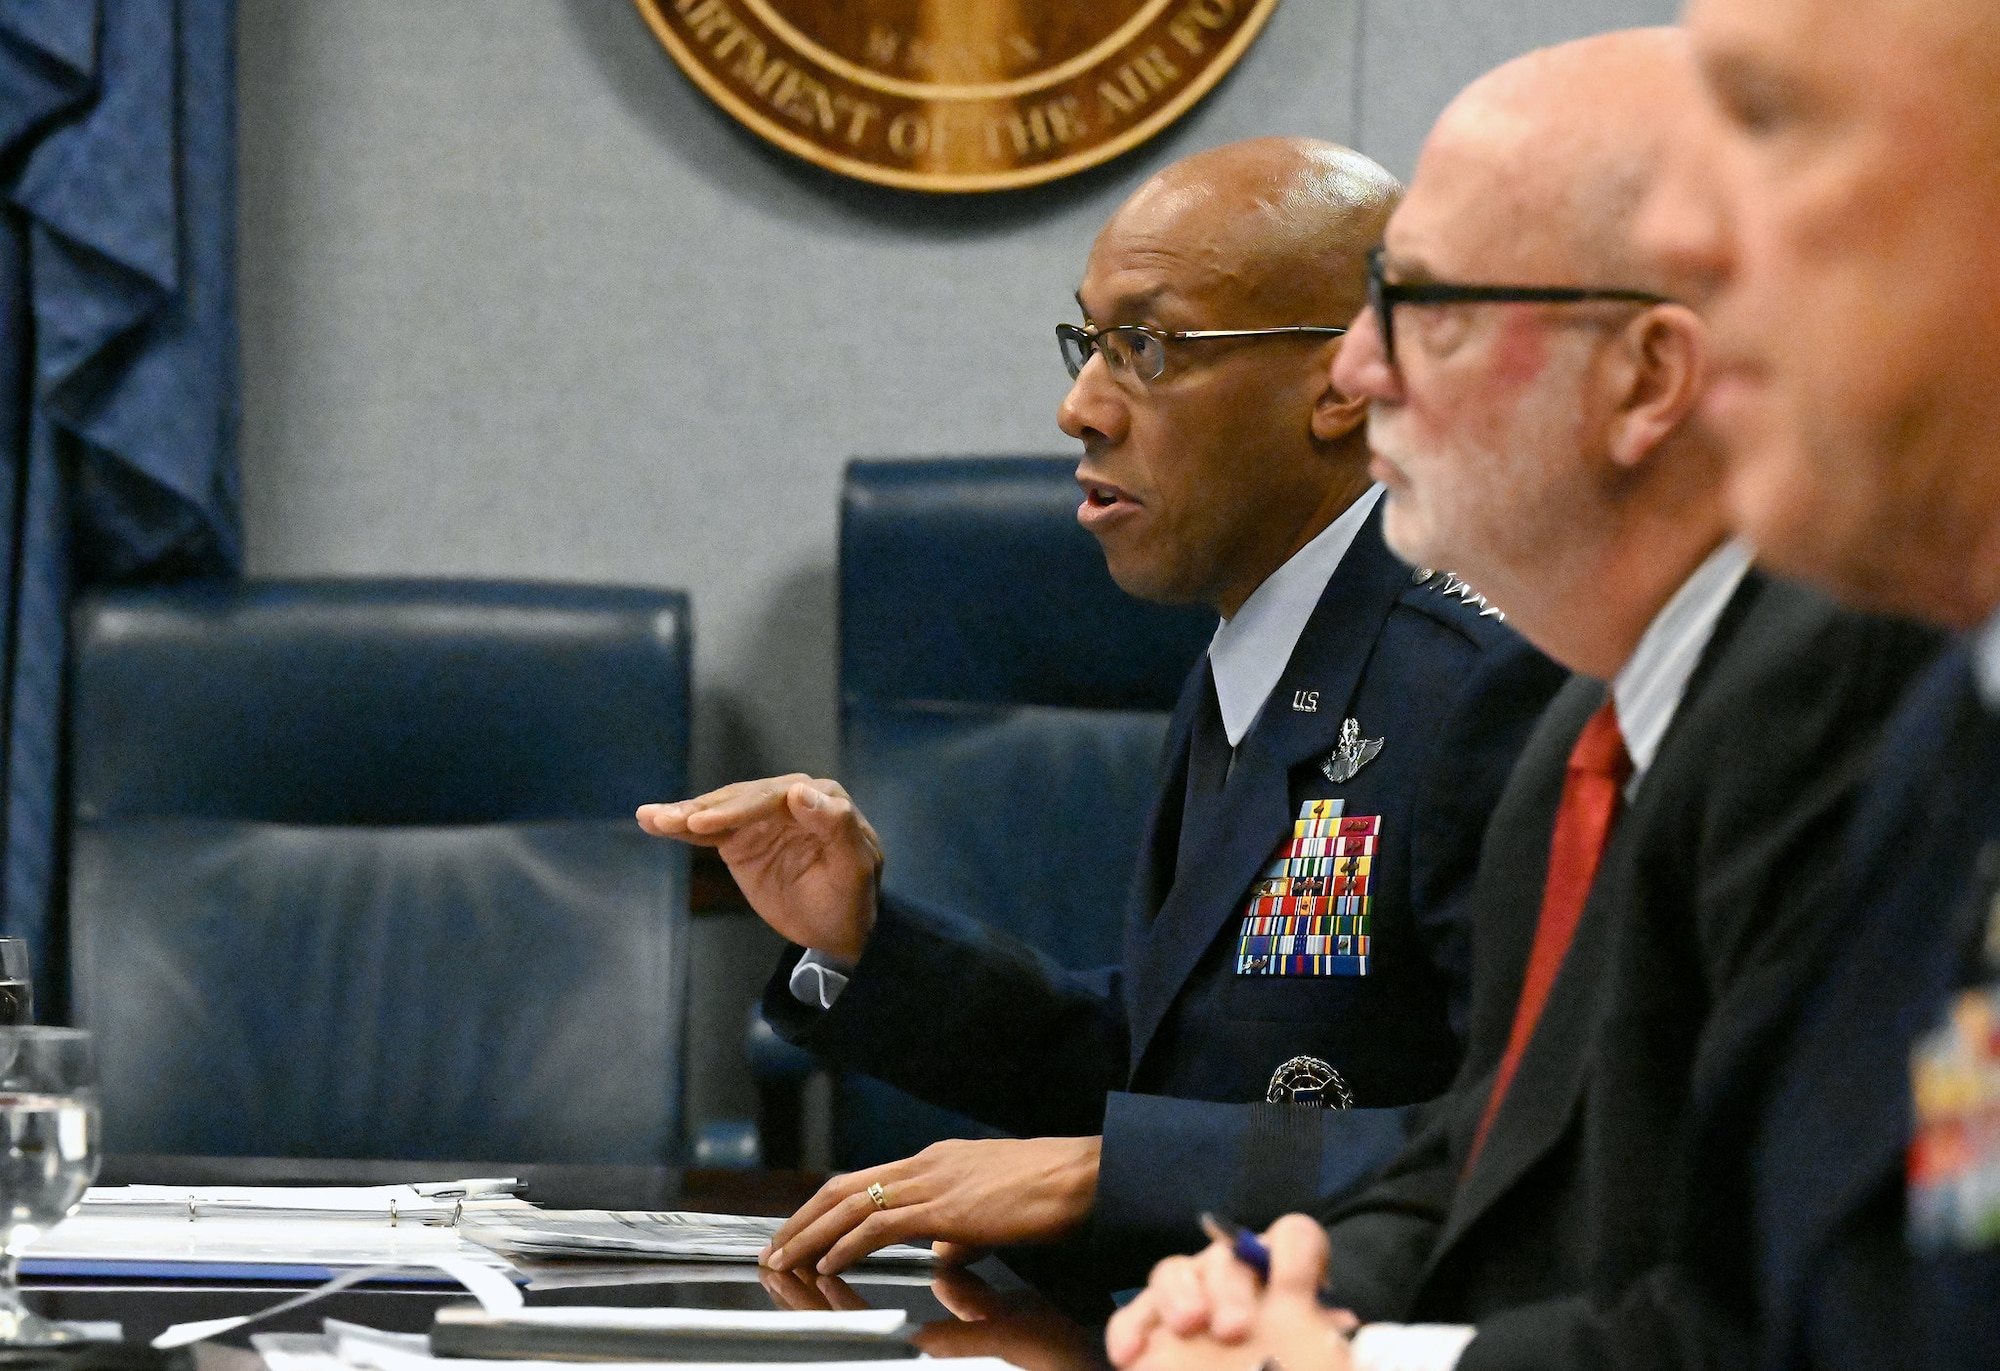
(1593, 789)
(1209, 756)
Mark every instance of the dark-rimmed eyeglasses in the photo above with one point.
(1384, 296)
(1141, 350)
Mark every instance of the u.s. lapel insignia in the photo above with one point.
(1311, 1082)
(1350, 753)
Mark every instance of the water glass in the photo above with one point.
(17, 983)
(49, 1152)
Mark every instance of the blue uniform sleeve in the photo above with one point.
(967, 1018)
(1167, 1160)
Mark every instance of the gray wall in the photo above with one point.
(518, 301)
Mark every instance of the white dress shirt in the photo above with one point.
(1645, 693)
(1247, 656)
(1986, 662)
(1648, 688)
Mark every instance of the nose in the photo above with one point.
(1096, 404)
(1361, 365)
(1685, 222)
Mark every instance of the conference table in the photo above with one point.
(983, 1310)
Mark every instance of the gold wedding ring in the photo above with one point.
(875, 1194)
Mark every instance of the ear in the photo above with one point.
(1335, 415)
(1657, 368)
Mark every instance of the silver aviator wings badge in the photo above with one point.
(1350, 754)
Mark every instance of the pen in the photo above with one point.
(1240, 1241)
(1249, 1249)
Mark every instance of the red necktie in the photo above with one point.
(1593, 788)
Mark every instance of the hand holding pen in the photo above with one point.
(1250, 1250)
(1244, 1291)
(1246, 1246)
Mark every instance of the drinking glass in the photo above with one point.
(17, 986)
(48, 1154)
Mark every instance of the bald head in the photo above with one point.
(1279, 223)
(1544, 449)
(1244, 265)
(1557, 149)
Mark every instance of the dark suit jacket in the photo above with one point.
(1841, 1286)
(974, 1021)
(1571, 1241)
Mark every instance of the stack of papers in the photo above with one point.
(572, 1274)
(109, 1236)
(426, 1202)
(629, 1235)
(267, 1232)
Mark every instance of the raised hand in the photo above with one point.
(963, 1194)
(800, 851)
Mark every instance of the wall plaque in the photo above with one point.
(956, 95)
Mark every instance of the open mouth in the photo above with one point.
(1102, 502)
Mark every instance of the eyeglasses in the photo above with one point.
(1384, 296)
(1141, 350)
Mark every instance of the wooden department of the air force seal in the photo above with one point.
(956, 95)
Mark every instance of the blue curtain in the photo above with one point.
(118, 402)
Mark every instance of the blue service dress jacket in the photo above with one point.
(1170, 1054)
(1841, 1280)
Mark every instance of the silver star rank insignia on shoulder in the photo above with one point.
(1449, 583)
(1350, 753)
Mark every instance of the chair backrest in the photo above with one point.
(1003, 705)
(353, 869)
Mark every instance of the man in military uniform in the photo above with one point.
(1295, 933)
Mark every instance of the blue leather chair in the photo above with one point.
(354, 874)
(1002, 708)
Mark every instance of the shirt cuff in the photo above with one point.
(818, 979)
(1410, 1346)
